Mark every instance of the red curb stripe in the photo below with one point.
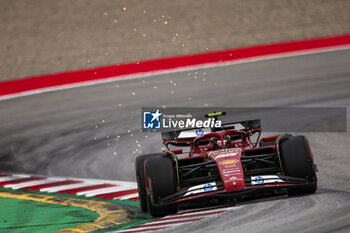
(17, 181)
(143, 230)
(117, 71)
(108, 196)
(134, 199)
(86, 188)
(53, 184)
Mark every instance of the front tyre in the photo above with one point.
(160, 175)
(298, 162)
(141, 180)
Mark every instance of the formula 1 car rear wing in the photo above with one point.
(184, 137)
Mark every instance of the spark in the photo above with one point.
(103, 121)
(133, 93)
(117, 85)
(116, 21)
(172, 92)
(203, 79)
(135, 29)
(165, 22)
(106, 13)
(124, 8)
(144, 35)
(189, 98)
(154, 87)
(88, 61)
(119, 105)
(206, 105)
(115, 153)
(106, 54)
(95, 139)
(107, 136)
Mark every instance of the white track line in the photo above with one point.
(100, 181)
(31, 183)
(104, 191)
(125, 197)
(14, 177)
(97, 190)
(180, 69)
(64, 187)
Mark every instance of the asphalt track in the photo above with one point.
(93, 132)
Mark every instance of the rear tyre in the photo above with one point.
(160, 175)
(298, 162)
(141, 180)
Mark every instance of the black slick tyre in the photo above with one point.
(298, 162)
(141, 180)
(161, 178)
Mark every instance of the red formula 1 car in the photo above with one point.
(223, 164)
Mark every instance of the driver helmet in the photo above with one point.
(228, 143)
(214, 143)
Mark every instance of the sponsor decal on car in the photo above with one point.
(230, 161)
(265, 179)
(199, 132)
(224, 153)
(208, 187)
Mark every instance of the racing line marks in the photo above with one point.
(178, 219)
(105, 190)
